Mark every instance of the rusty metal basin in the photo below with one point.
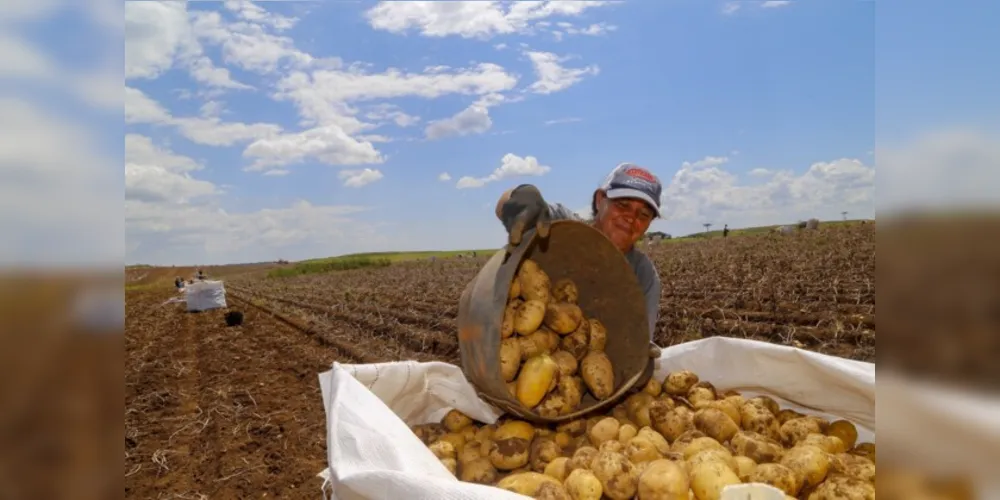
(608, 291)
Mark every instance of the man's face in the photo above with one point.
(623, 220)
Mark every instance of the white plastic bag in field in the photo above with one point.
(205, 295)
(372, 454)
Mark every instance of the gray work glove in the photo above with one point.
(525, 208)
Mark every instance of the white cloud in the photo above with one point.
(596, 29)
(471, 120)
(705, 190)
(552, 76)
(358, 178)
(482, 20)
(328, 144)
(158, 36)
(153, 173)
(444, 177)
(511, 166)
(730, 8)
(560, 121)
(277, 172)
(771, 4)
(942, 170)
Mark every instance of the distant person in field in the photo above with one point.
(622, 208)
(725, 230)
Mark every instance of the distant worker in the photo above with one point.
(725, 230)
(201, 275)
(178, 283)
(622, 207)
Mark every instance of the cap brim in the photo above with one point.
(633, 193)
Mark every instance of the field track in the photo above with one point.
(217, 412)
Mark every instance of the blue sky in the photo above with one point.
(295, 130)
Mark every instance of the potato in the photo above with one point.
(598, 335)
(428, 433)
(685, 439)
(612, 445)
(552, 405)
(529, 317)
(583, 485)
(843, 488)
(574, 427)
(779, 476)
(757, 447)
(679, 383)
(715, 424)
(479, 471)
(745, 466)
(708, 478)
(551, 491)
(514, 291)
(787, 414)
(510, 358)
(663, 480)
(699, 444)
(472, 451)
(797, 429)
(578, 342)
(605, 429)
(485, 432)
(756, 418)
(810, 462)
(542, 451)
(564, 290)
(507, 326)
(656, 438)
(737, 401)
(581, 459)
(728, 407)
(866, 450)
(642, 449)
(563, 317)
(844, 430)
(617, 475)
(653, 387)
(455, 420)
(853, 465)
(535, 283)
(598, 374)
(509, 448)
(451, 465)
(536, 379)
(767, 403)
(443, 449)
(701, 394)
(512, 388)
(714, 455)
(571, 389)
(469, 433)
(637, 407)
(525, 483)
(566, 361)
(829, 444)
(626, 432)
(456, 439)
(557, 468)
(668, 421)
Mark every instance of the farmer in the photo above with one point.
(622, 208)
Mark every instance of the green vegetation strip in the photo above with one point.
(329, 265)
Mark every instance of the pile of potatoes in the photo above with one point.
(550, 353)
(675, 439)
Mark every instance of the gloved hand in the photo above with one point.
(523, 209)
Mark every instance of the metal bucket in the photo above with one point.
(608, 291)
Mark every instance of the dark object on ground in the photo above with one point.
(234, 318)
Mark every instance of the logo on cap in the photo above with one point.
(640, 173)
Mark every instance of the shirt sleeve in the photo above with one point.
(649, 278)
(561, 212)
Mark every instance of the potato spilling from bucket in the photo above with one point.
(679, 438)
(551, 354)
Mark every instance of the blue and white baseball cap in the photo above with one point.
(628, 180)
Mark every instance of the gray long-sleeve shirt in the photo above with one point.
(645, 271)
